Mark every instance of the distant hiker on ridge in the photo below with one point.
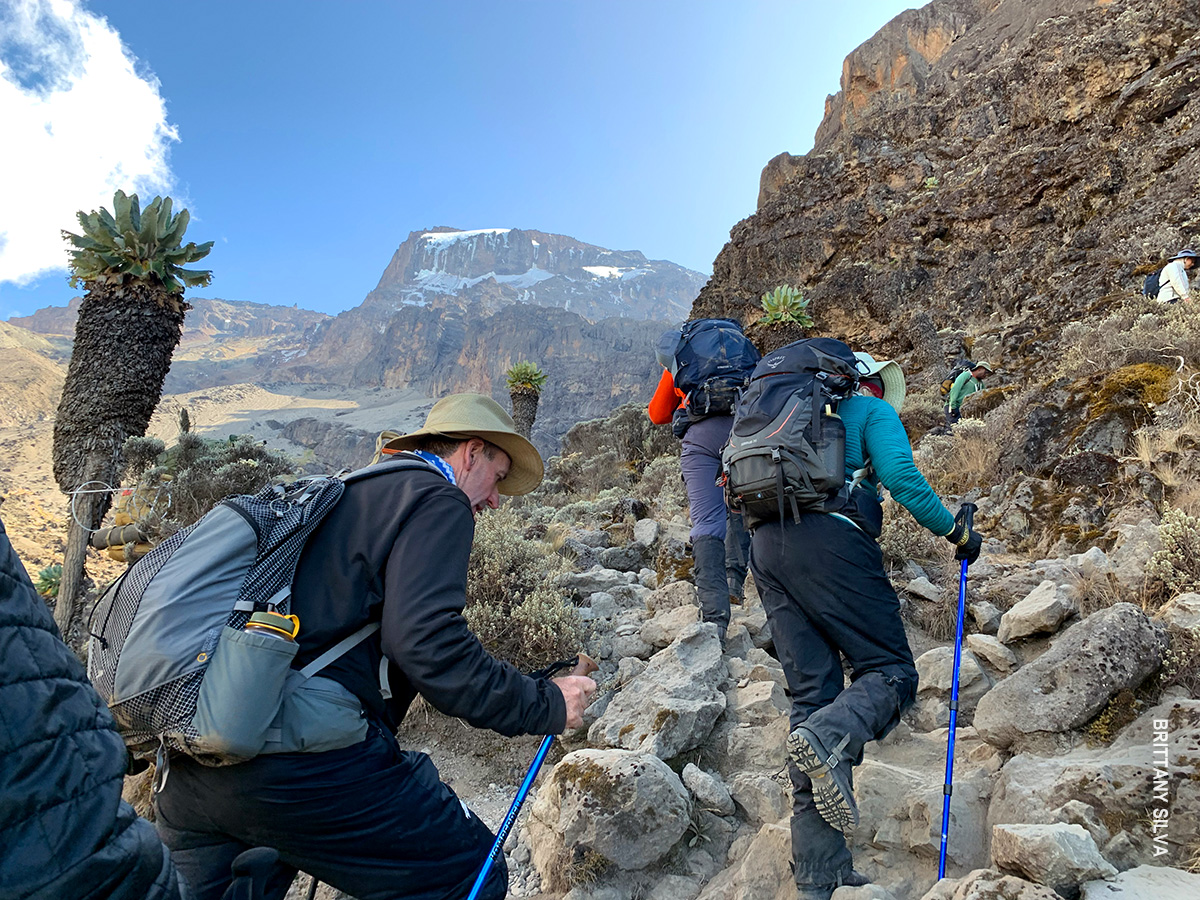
(966, 384)
(705, 364)
(1173, 284)
(364, 816)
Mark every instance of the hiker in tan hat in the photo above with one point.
(358, 812)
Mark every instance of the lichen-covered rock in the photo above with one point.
(1109, 651)
(672, 706)
(1059, 856)
(1047, 606)
(627, 806)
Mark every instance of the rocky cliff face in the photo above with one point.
(592, 367)
(990, 170)
(496, 267)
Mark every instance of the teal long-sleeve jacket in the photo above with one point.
(874, 431)
(964, 385)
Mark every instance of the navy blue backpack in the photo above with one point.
(711, 362)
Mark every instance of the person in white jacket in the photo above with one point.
(1173, 279)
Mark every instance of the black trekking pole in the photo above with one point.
(583, 665)
(967, 511)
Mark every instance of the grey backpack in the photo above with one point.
(168, 653)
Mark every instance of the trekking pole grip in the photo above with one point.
(967, 513)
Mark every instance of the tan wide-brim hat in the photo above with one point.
(889, 372)
(983, 365)
(461, 416)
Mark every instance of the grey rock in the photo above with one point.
(672, 706)
(600, 605)
(675, 887)
(1182, 612)
(631, 595)
(630, 668)
(648, 579)
(1118, 781)
(1046, 607)
(1109, 651)
(935, 670)
(646, 531)
(757, 665)
(1145, 883)
(709, 790)
(1121, 851)
(627, 806)
(988, 884)
(677, 593)
(596, 540)
(1139, 542)
(749, 748)
(925, 589)
(1059, 856)
(761, 798)
(756, 703)
(1076, 812)
(627, 635)
(986, 616)
(866, 892)
(992, 652)
(584, 584)
(752, 615)
(583, 556)
(659, 631)
(596, 892)
(1092, 563)
(624, 559)
(764, 872)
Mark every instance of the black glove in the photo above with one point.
(967, 540)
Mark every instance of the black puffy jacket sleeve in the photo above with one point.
(66, 831)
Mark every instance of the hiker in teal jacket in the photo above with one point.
(965, 384)
(827, 596)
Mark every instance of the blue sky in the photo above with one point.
(308, 139)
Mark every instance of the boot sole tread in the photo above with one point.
(835, 808)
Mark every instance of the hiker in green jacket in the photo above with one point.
(965, 384)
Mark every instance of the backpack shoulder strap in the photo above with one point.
(398, 463)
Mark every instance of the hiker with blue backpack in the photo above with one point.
(706, 364)
(1170, 284)
(375, 607)
(816, 434)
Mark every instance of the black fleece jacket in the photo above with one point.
(395, 550)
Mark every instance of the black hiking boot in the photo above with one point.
(829, 774)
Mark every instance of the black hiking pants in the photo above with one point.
(371, 820)
(826, 596)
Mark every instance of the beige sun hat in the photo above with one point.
(983, 365)
(889, 372)
(474, 415)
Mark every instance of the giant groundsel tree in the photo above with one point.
(525, 382)
(131, 265)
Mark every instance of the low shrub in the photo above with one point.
(1177, 563)
(511, 604)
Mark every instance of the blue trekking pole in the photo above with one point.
(583, 666)
(967, 512)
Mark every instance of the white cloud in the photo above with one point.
(78, 123)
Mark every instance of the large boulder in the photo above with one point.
(1045, 608)
(1116, 792)
(627, 806)
(1144, 883)
(660, 631)
(988, 884)
(672, 706)
(1111, 650)
(1059, 856)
